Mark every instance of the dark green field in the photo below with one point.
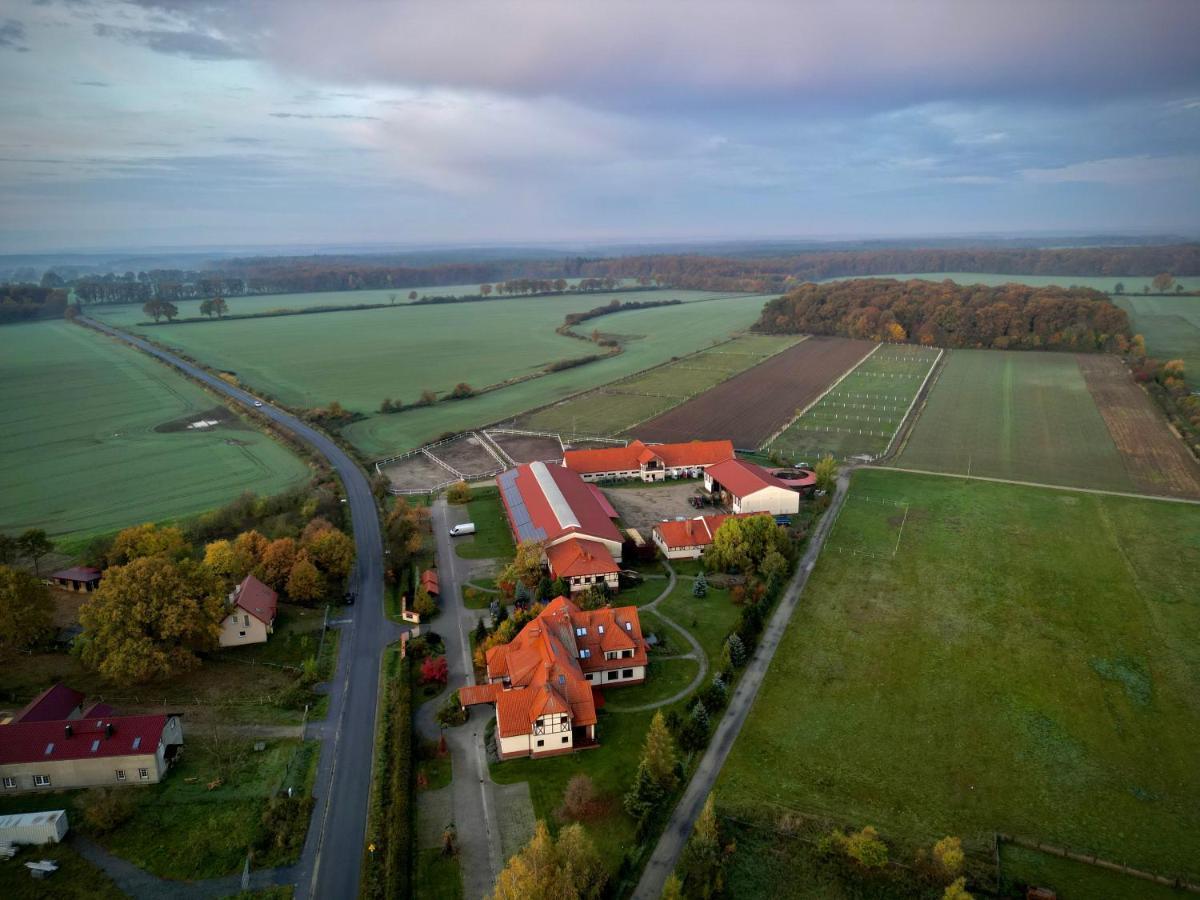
(1025, 662)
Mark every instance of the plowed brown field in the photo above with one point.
(752, 406)
(1155, 458)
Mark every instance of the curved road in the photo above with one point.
(329, 865)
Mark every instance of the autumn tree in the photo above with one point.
(219, 306)
(332, 550)
(25, 610)
(525, 568)
(657, 773)
(148, 539)
(957, 890)
(403, 536)
(1162, 282)
(743, 543)
(569, 869)
(149, 619)
(304, 582)
(276, 563)
(423, 603)
(206, 308)
(579, 797)
(315, 526)
(948, 856)
(34, 544)
(221, 558)
(153, 308)
(458, 493)
(672, 888)
(435, 670)
(427, 398)
(703, 859)
(485, 289)
(826, 471)
(462, 391)
(412, 295)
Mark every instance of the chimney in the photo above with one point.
(108, 730)
(68, 729)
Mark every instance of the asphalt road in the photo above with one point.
(329, 866)
(683, 818)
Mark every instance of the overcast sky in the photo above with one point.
(243, 122)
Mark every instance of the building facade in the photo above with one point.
(647, 462)
(749, 488)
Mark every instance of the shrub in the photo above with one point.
(948, 854)
(700, 586)
(435, 670)
(285, 823)
(459, 492)
(452, 713)
(579, 798)
(107, 808)
(865, 848)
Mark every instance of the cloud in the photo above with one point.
(95, 84)
(12, 35)
(288, 115)
(192, 44)
(1118, 171)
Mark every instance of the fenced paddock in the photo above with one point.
(861, 414)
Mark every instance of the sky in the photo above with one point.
(128, 124)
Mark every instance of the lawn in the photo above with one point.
(863, 411)
(492, 538)
(1025, 663)
(438, 876)
(76, 878)
(183, 830)
(1073, 880)
(664, 679)
(79, 419)
(709, 618)
(1171, 327)
(1020, 415)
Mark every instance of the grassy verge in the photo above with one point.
(438, 876)
(492, 539)
(664, 678)
(1072, 880)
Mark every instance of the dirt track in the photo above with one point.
(1155, 458)
(753, 405)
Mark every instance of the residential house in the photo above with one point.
(648, 462)
(690, 538)
(81, 579)
(543, 683)
(251, 618)
(750, 488)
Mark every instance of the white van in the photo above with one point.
(464, 528)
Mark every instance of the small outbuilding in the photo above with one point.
(48, 827)
(750, 488)
(429, 581)
(81, 579)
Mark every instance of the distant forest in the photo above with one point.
(766, 274)
(22, 302)
(1008, 316)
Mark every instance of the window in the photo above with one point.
(10, 783)
(629, 626)
(120, 774)
(144, 774)
(588, 676)
(246, 620)
(541, 743)
(585, 653)
(563, 720)
(565, 740)
(627, 673)
(612, 675)
(41, 781)
(600, 628)
(626, 653)
(580, 632)
(241, 634)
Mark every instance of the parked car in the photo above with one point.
(258, 403)
(349, 598)
(464, 528)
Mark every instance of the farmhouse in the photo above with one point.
(542, 682)
(649, 462)
(751, 488)
(690, 538)
(81, 579)
(53, 743)
(252, 617)
(573, 520)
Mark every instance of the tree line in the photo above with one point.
(946, 314)
(25, 302)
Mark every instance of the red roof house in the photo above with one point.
(649, 462)
(251, 619)
(691, 537)
(55, 703)
(542, 681)
(751, 488)
(77, 578)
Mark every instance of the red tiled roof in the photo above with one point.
(624, 459)
(257, 599)
(471, 694)
(78, 573)
(27, 742)
(557, 501)
(743, 478)
(697, 532)
(429, 581)
(579, 556)
(603, 501)
(53, 704)
(545, 668)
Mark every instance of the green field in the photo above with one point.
(971, 657)
(1134, 284)
(80, 452)
(649, 337)
(1008, 414)
(620, 405)
(862, 412)
(1171, 327)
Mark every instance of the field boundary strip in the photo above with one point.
(1034, 484)
(912, 405)
(788, 424)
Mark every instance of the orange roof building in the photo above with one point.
(691, 537)
(543, 681)
(649, 462)
(750, 488)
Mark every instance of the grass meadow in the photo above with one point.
(78, 413)
(1134, 284)
(1018, 415)
(1171, 327)
(619, 406)
(972, 657)
(862, 413)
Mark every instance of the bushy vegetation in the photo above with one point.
(388, 870)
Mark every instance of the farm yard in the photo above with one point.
(861, 413)
(94, 438)
(972, 657)
(648, 337)
(523, 448)
(1157, 460)
(755, 404)
(620, 406)
(1015, 415)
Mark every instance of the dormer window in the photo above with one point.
(585, 653)
(629, 626)
(581, 631)
(600, 629)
